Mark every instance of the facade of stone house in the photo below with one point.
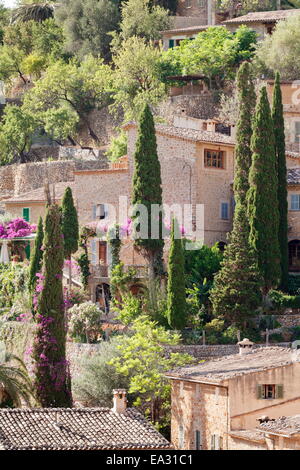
(214, 402)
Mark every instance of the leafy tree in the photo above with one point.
(202, 264)
(52, 380)
(144, 19)
(142, 358)
(177, 308)
(16, 381)
(117, 147)
(262, 196)
(147, 191)
(236, 293)
(70, 228)
(11, 63)
(137, 77)
(216, 53)
(278, 123)
(78, 88)
(16, 133)
(87, 24)
(36, 257)
(4, 20)
(281, 51)
(241, 7)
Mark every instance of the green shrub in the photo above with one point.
(281, 300)
(95, 383)
(13, 280)
(84, 322)
(293, 284)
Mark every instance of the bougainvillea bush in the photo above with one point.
(16, 228)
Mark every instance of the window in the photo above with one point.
(224, 210)
(26, 214)
(297, 131)
(201, 3)
(269, 391)
(180, 437)
(197, 440)
(295, 202)
(216, 442)
(171, 43)
(100, 211)
(214, 159)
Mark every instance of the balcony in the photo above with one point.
(103, 270)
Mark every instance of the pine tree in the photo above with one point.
(70, 228)
(36, 257)
(52, 379)
(262, 199)
(236, 293)
(278, 123)
(176, 303)
(147, 191)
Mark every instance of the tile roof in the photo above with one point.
(287, 425)
(190, 134)
(292, 154)
(248, 435)
(77, 429)
(38, 195)
(263, 16)
(229, 367)
(293, 176)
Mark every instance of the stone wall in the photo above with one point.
(78, 153)
(288, 321)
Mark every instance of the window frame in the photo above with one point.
(23, 216)
(218, 158)
(222, 204)
(295, 195)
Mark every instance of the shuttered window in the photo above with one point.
(93, 246)
(269, 391)
(181, 437)
(171, 43)
(26, 213)
(197, 440)
(224, 210)
(297, 131)
(295, 202)
(279, 391)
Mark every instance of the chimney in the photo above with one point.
(245, 346)
(119, 400)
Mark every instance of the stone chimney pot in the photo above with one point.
(119, 400)
(245, 346)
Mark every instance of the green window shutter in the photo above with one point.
(171, 43)
(279, 391)
(27, 251)
(26, 214)
(259, 391)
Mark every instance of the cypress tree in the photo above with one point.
(70, 228)
(236, 293)
(36, 257)
(147, 190)
(176, 297)
(278, 123)
(262, 196)
(52, 379)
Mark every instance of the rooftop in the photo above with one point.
(190, 134)
(229, 367)
(263, 16)
(293, 176)
(38, 195)
(286, 425)
(77, 429)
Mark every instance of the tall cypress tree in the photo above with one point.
(262, 196)
(177, 307)
(278, 123)
(52, 379)
(147, 190)
(70, 228)
(36, 257)
(236, 293)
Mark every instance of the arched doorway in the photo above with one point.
(103, 297)
(294, 256)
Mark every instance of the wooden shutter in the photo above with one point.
(213, 442)
(198, 440)
(26, 214)
(278, 391)
(259, 391)
(171, 43)
(103, 252)
(93, 246)
(220, 443)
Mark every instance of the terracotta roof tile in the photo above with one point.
(229, 367)
(263, 16)
(286, 425)
(77, 429)
(38, 195)
(293, 176)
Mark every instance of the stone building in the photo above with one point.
(119, 428)
(217, 405)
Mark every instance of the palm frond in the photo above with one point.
(36, 12)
